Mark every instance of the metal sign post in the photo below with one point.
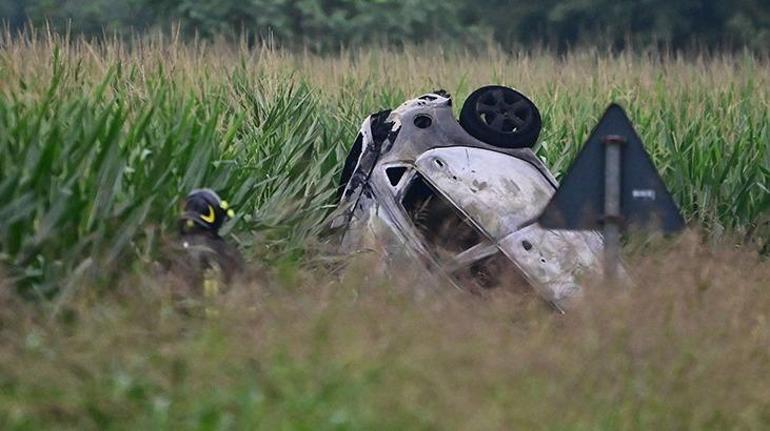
(612, 217)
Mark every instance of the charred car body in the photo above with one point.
(461, 197)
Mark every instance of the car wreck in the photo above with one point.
(461, 197)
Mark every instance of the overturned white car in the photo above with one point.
(461, 197)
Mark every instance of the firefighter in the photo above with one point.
(204, 260)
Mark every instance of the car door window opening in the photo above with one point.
(395, 174)
(441, 225)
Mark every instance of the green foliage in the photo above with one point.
(92, 175)
(98, 144)
(328, 24)
(319, 24)
(686, 348)
(99, 141)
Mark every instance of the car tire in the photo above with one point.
(502, 117)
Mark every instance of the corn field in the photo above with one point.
(99, 141)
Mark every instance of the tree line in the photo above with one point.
(329, 24)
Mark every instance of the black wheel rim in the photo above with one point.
(504, 110)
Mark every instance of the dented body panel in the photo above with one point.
(502, 193)
(418, 187)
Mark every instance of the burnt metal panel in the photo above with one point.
(497, 191)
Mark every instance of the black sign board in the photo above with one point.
(645, 203)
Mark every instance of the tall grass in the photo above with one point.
(687, 348)
(99, 140)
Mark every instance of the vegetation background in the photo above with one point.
(329, 24)
(110, 114)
